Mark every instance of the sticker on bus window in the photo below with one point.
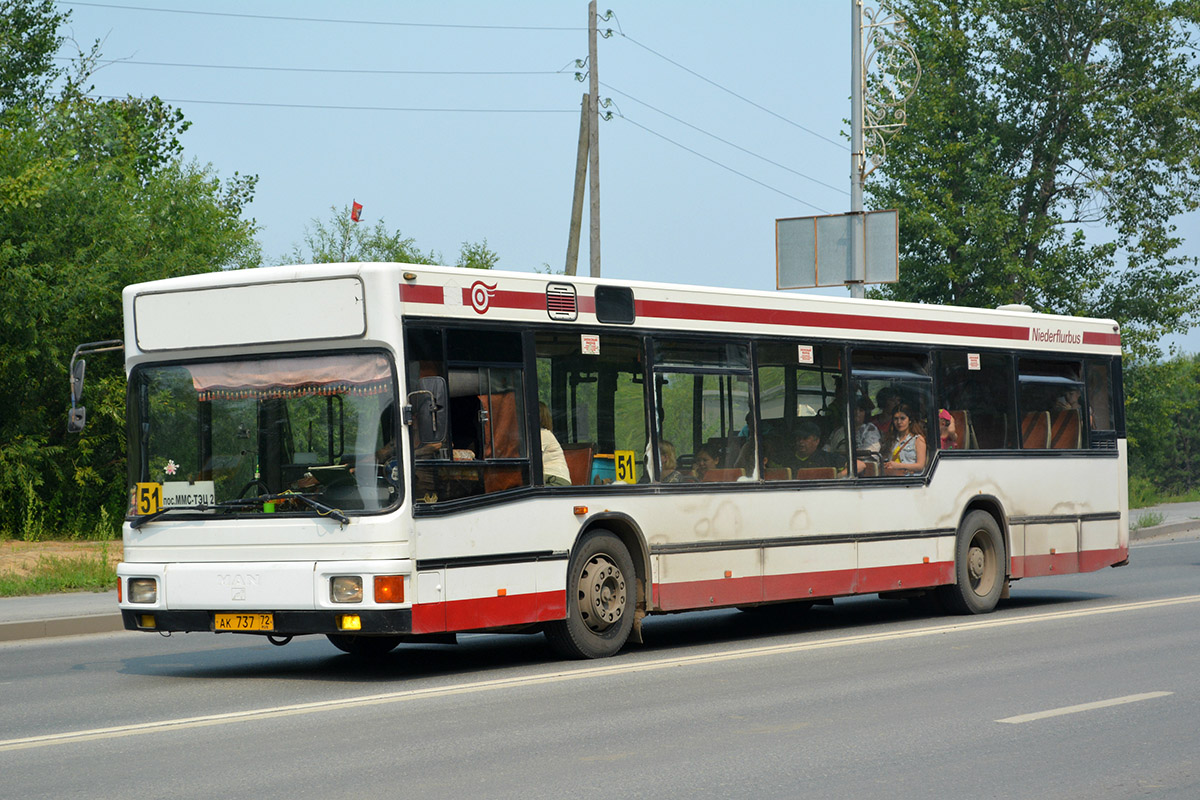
(626, 468)
(806, 354)
(589, 344)
(972, 360)
(147, 498)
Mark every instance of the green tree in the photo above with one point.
(28, 41)
(1048, 148)
(93, 196)
(340, 239)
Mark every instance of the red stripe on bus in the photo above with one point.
(524, 609)
(825, 319)
(488, 612)
(799, 586)
(1113, 339)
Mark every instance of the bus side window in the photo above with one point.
(596, 400)
(486, 450)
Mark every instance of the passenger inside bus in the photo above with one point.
(807, 452)
(906, 446)
(702, 462)
(554, 464)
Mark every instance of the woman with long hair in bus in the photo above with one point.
(906, 447)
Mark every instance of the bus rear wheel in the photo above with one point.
(363, 646)
(601, 593)
(978, 566)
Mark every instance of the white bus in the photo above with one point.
(357, 450)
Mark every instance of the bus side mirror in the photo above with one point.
(77, 416)
(430, 410)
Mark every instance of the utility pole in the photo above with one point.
(580, 180)
(593, 142)
(857, 148)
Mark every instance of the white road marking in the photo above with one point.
(71, 737)
(1058, 712)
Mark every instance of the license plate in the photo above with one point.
(244, 622)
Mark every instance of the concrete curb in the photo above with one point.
(60, 626)
(1169, 529)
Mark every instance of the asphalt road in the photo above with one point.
(1080, 686)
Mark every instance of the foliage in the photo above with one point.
(477, 255)
(1163, 421)
(1047, 150)
(28, 40)
(340, 239)
(93, 196)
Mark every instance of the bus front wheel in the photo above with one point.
(978, 566)
(600, 598)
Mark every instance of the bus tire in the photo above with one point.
(601, 594)
(978, 566)
(363, 646)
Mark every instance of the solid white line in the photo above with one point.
(1058, 712)
(69, 737)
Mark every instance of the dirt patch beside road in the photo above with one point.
(21, 558)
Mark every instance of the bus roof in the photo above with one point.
(325, 292)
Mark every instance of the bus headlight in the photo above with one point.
(143, 590)
(346, 589)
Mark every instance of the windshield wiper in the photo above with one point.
(142, 520)
(247, 502)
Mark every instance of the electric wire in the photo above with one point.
(725, 141)
(719, 164)
(329, 70)
(324, 19)
(731, 92)
(357, 108)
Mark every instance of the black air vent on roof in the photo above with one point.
(561, 303)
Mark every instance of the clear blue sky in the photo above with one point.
(448, 158)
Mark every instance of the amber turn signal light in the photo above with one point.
(389, 588)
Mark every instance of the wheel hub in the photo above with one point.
(601, 593)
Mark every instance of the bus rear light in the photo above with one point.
(346, 589)
(120, 590)
(389, 588)
(143, 590)
(349, 622)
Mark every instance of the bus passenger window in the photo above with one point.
(596, 402)
(486, 450)
(804, 433)
(902, 388)
(977, 390)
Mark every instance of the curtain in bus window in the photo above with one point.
(291, 377)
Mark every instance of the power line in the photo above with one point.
(719, 164)
(326, 20)
(108, 61)
(359, 108)
(725, 141)
(733, 93)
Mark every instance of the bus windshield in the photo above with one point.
(217, 436)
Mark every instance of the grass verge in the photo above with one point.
(54, 574)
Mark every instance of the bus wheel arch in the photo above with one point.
(601, 592)
(980, 563)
